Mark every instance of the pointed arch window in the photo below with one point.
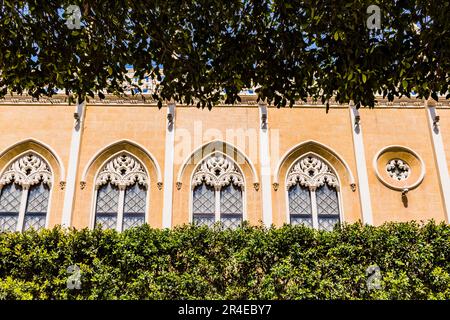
(121, 193)
(24, 194)
(313, 194)
(217, 194)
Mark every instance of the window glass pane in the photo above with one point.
(231, 206)
(231, 221)
(9, 206)
(134, 207)
(203, 205)
(107, 206)
(37, 204)
(300, 209)
(327, 200)
(204, 219)
(328, 222)
(231, 200)
(327, 207)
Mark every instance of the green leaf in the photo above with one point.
(336, 35)
(405, 84)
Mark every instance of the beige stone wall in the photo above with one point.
(237, 126)
(444, 125)
(140, 129)
(104, 126)
(30, 127)
(409, 128)
(444, 128)
(330, 131)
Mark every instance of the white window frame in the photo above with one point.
(216, 191)
(121, 201)
(312, 192)
(25, 191)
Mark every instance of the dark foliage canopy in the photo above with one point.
(211, 50)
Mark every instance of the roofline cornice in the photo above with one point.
(246, 100)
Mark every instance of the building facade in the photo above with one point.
(121, 162)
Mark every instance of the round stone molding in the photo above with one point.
(399, 168)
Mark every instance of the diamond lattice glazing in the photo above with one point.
(231, 200)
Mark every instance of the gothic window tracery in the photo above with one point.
(217, 192)
(24, 193)
(121, 193)
(312, 189)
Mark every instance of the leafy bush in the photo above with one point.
(189, 262)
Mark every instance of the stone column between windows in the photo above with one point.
(75, 144)
(315, 218)
(439, 154)
(168, 167)
(23, 207)
(217, 202)
(264, 161)
(121, 205)
(361, 167)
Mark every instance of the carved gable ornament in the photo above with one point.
(311, 172)
(122, 171)
(27, 170)
(218, 171)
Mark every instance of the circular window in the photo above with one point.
(399, 168)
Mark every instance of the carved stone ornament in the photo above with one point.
(398, 169)
(218, 171)
(311, 172)
(122, 171)
(27, 170)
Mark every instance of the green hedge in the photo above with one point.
(292, 262)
